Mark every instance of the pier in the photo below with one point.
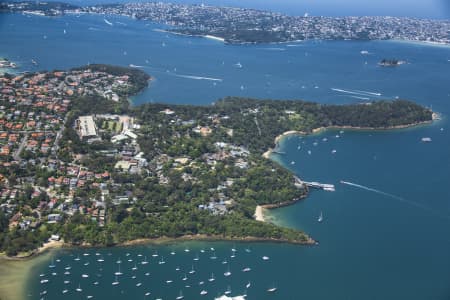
(317, 185)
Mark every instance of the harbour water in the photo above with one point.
(389, 245)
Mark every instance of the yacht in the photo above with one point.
(247, 269)
(180, 296)
(211, 279)
(265, 258)
(227, 273)
(79, 289)
(203, 292)
(192, 271)
(115, 282)
(320, 218)
(271, 290)
(228, 291)
(144, 262)
(118, 272)
(248, 285)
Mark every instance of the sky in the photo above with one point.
(435, 9)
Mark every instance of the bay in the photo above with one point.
(372, 245)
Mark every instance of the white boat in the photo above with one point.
(155, 254)
(65, 291)
(228, 291)
(79, 289)
(138, 284)
(227, 273)
(238, 65)
(333, 151)
(77, 258)
(271, 290)
(85, 275)
(211, 279)
(426, 139)
(144, 262)
(248, 285)
(184, 278)
(44, 280)
(196, 258)
(192, 271)
(247, 269)
(161, 262)
(180, 296)
(134, 268)
(118, 272)
(203, 292)
(265, 258)
(320, 218)
(115, 282)
(169, 281)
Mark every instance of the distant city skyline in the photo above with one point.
(408, 8)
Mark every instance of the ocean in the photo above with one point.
(384, 237)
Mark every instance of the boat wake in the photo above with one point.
(274, 49)
(360, 98)
(371, 190)
(135, 66)
(403, 200)
(108, 22)
(198, 77)
(357, 92)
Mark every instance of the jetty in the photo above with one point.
(314, 184)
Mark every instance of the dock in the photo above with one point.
(314, 184)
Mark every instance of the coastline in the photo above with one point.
(435, 117)
(259, 210)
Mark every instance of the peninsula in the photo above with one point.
(241, 25)
(78, 163)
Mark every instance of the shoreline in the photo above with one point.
(54, 245)
(259, 210)
(319, 130)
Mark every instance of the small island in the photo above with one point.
(79, 164)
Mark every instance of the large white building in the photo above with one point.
(86, 127)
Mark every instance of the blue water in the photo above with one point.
(372, 246)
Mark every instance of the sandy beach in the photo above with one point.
(259, 213)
